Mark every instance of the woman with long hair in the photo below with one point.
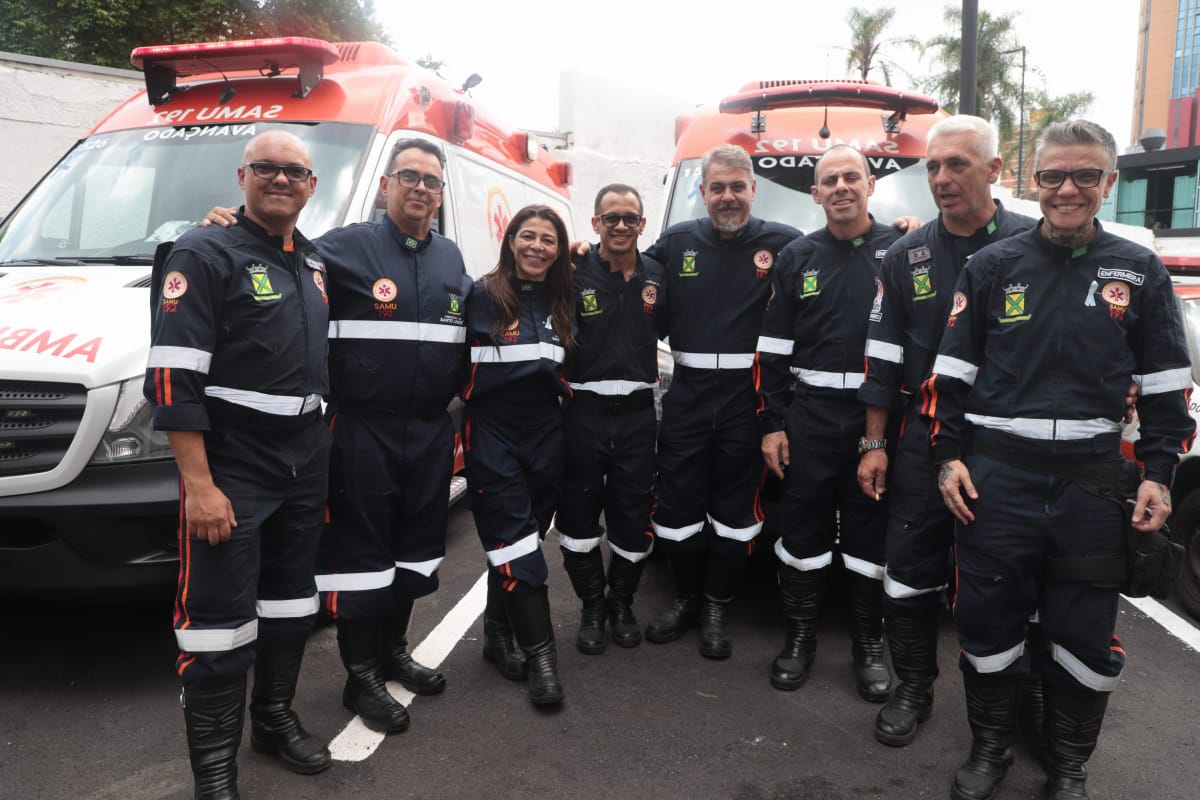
(520, 328)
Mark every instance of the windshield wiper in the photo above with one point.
(118, 260)
(50, 262)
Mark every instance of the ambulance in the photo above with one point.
(89, 494)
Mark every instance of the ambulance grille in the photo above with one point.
(38, 422)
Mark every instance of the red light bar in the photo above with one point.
(164, 64)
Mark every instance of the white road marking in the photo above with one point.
(356, 741)
(1174, 624)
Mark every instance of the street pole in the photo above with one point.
(1021, 123)
(970, 57)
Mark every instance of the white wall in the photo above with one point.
(45, 107)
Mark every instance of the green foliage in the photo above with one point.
(432, 64)
(865, 53)
(103, 32)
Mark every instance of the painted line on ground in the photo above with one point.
(1174, 624)
(356, 742)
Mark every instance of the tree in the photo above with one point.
(866, 42)
(104, 32)
(997, 94)
(432, 64)
(1044, 110)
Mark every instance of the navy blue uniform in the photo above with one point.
(397, 356)
(1040, 346)
(512, 432)
(609, 421)
(238, 344)
(814, 330)
(906, 324)
(710, 465)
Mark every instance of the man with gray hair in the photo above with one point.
(710, 467)
(906, 322)
(1025, 405)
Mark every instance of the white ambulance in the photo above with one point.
(88, 492)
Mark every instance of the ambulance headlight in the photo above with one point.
(130, 435)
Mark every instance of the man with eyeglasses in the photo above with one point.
(1025, 405)
(397, 357)
(235, 376)
(609, 428)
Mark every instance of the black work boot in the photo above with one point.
(365, 693)
(623, 578)
(800, 595)
(530, 615)
(586, 571)
(721, 577)
(275, 729)
(1072, 729)
(498, 647)
(866, 639)
(913, 642)
(684, 612)
(992, 714)
(1032, 722)
(398, 665)
(714, 638)
(213, 717)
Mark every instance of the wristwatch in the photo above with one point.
(865, 444)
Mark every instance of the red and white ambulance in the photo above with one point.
(88, 492)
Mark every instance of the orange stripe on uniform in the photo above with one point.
(167, 386)
(466, 392)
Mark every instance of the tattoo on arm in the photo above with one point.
(943, 474)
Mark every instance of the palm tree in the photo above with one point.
(996, 92)
(1045, 110)
(866, 42)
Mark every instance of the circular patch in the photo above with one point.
(1116, 293)
(174, 285)
(764, 260)
(384, 290)
(649, 295)
(958, 304)
(319, 280)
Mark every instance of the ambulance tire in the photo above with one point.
(1185, 530)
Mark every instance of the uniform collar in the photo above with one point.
(984, 232)
(1068, 253)
(409, 243)
(298, 240)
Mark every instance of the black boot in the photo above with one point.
(213, 717)
(721, 577)
(714, 638)
(800, 595)
(992, 714)
(1072, 728)
(275, 729)
(365, 693)
(530, 615)
(866, 639)
(1032, 723)
(684, 612)
(586, 571)
(498, 645)
(623, 578)
(913, 642)
(398, 665)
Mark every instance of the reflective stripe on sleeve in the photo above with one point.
(781, 347)
(995, 663)
(713, 360)
(396, 330)
(952, 367)
(513, 353)
(279, 404)
(676, 534)
(179, 358)
(611, 388)
(216, 640)
(1080, 671)
(736, 534)
(522, 547)
(802, 564)
(828, 380)
(356, 581)
(1170, 380)
(863, 567)
(1047, 429)
(885, 351)
(288, 609)
(425, 568)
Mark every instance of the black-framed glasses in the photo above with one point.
(267, 171)
(410, 178)
(1082, 178)
(612, 220)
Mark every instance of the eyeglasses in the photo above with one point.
(1082, 178)
(630, 220)
(267, 171)
(409, 178)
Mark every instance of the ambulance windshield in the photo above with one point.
(121, 194)
(784, 191)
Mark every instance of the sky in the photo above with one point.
(713, 47)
